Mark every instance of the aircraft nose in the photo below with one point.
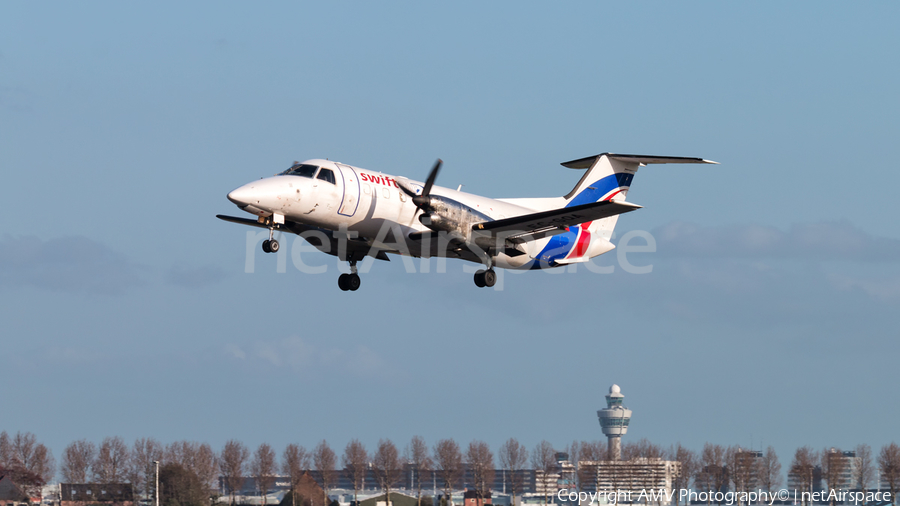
(241, 196)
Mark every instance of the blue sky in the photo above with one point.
(770, 311)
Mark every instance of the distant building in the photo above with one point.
(85, 494)
(397, 499)
(633, 476)
(525, 481)
(473, 498)
(748, 461)
(796, 482)
(845, 463)
(10, 493)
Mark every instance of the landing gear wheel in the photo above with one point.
(265, 246)
(273, 246)
(479, 279)
(349, 282)
(489, 278)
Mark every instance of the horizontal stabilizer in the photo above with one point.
(555, 219)
(586, 163)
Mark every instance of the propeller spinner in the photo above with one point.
(423, 200)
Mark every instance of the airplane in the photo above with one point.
(351, 213)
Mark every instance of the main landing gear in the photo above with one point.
(270, 245)
(349, 282)
(485, 278)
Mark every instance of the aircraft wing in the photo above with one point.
(538, 224)
(331, 247)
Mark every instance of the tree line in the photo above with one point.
(445, 464)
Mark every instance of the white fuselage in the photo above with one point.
(369, 204)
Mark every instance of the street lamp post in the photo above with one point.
(157, 481)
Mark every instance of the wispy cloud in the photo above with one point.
(195, 277)
(68, 264)
(814, 241)
(300, 355)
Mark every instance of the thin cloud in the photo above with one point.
(195, 277)
(73, 264)
(302, 356)
(831, 241)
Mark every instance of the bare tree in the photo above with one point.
(889, 465)
(769, 471)
(324, 460)
(294, 461)
(574, 451)
(591, 453)
(179, 452)
(76, 461)
(803, 468)
(5, 451)
(513, 459)
(144, 452)
(480, 460)
(111, 464)
(448, 464)
(356, 462)
(31, 464)
(232, 461)
(864, 470)
(42, 463)
(21, 450)
(417, 455)
(387, 467)
(687, 463)
(205, 465)
(543, 460)
(263, 467)
(712, 476)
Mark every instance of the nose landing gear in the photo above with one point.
(270, 245)
(349, 282)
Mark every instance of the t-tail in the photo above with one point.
(609, 177)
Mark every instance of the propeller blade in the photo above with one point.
(420, 200)
(431, 177)
(402, 184)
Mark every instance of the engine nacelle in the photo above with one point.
(447, 215)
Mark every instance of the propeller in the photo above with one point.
(422, 201)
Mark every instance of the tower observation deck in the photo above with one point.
(614, 421)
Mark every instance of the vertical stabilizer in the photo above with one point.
(609, 177)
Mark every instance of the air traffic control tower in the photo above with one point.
(614, 421)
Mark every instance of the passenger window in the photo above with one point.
(386, 193)
(326, 175)
(366, 189)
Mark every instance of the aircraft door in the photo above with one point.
(350, 201)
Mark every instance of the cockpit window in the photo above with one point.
(301, 169)
(326, 175)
